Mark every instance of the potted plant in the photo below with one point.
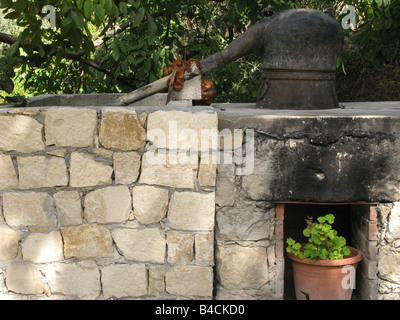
(324, 268)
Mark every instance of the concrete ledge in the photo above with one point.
(334, 155)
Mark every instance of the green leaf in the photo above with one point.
(99, 12)
(147, 66)
(125, 68)
(307, 232)
(88, 9)
(330, 218)
(107, 5)
(297, 246)
(115, 53)
(124, 8)
(341, 241)
(11, 15)
(326, 228)
(24, 35)
(7, 86)
(13, 48)
(316, 240)
(117, 71)
(152, 23)
(65, 10)
(58, 58)
(88, 46)
(290, 241)
(41, 50)
(67, 21)
(78, 19)
(139, 17)
(114, 10)
(79, 3)
(76, 37)
(19, 5)
(6, 3)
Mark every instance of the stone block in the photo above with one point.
(190, 281)
(29, 209)
(126, 167)
(183, 130)
(234, 262)
(204, 249)
(124, 280)
(271, 255)
(42, 172)
(58, 152)
(230, 139)
(69, 208)
(145, 245)
(225, 184)
(260, 183)
(20, 133)
(121, 129)
(149, 203)
(30, 111)
(85, 171)
(393, 230)
(106, 153)
(207, 170)
(24, 278)
(191, 90)
(43, 247)
(389, 265)
(243, 222)
(2, 283)
(70, 127)
(78, 280)
(167, 170)
(9, 239)
(8, 175)
(180, 247)
(192, 211)
(87, 241)
(156, 280)
(108, 205)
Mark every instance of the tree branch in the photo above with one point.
(76, 56)
(7, 38)
(97, 67)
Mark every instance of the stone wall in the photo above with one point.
(335, 156)
(245, 232)
(137, 202)
(388, 252)
(98, 203)
(376, 231)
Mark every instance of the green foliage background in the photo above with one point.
(83, 54)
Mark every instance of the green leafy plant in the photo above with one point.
(323, 241)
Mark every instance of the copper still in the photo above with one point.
(299, 50)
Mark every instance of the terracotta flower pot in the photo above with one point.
(325, 279)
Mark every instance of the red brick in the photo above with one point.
(279, 211)
(369, 268)
(279, 231)
(279, 249)
(373, 232)
(372, 215)
(371, 251)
